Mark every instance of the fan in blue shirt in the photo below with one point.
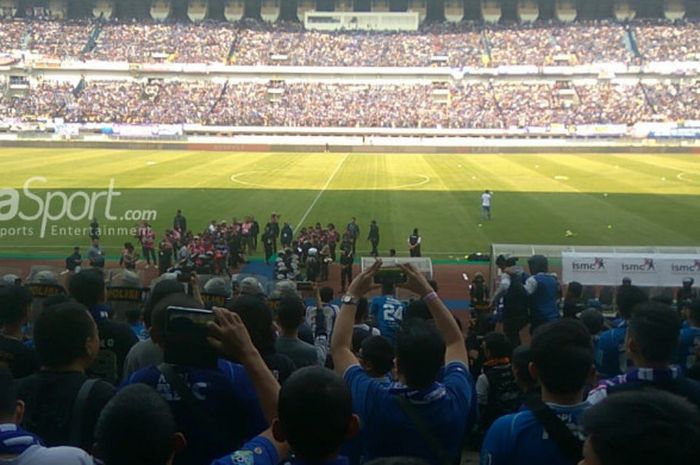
(314, 418)
(690, 338)
(387, 312)
(228, 410)
(610, 357)
(562, 360)
(389, 415)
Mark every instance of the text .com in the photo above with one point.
(48, 207)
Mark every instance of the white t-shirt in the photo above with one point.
(38, 455)
(486, 199)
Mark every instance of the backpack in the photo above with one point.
(515, 303)
(504, 395)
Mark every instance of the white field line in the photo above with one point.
(320, 193)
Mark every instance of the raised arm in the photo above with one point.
(456, 351)
(341, 342)
(230, 337)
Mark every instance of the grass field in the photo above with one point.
(616, 199)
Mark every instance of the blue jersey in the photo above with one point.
(544, 290)
(688, 347)
(520, 439)
(387, 431)
(610, 356)
(388, 313)
(260, 451)
(227, 398)
(352, 449)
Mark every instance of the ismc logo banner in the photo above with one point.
(648, 269)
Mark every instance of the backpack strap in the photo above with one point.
(569, 445)
(434, 444)
(78, 413)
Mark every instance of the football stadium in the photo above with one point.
(338, 232)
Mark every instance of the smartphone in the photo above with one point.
(305, 286)
(186, 334)
(390, 275)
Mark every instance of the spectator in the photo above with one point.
(96, 256)
(594, 321)
(395, 419)
(224, 411)
(116, 338)
(651, 344)
(314, 419)
(74, 261)
(642, 428)
(137, 427)
(21, 447)
(497, 391)
(62, 404)
(521, 359)
(690, 338)
(573, 303)
(387, 311)
(361, 330)
(610, 357)
(257, 317)
(544, 289)
(148, 352)
(321, 316)
(15, 355)
(290, 315)
(377, 358)
(562, 361)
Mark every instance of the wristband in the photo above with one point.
(429, 297)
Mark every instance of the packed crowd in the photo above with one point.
(679, 41)
(546, 44)
(436, 46)
(675, 101)
(497, 104)
(107, 371)
(453, 45)
(350, 105)
(205, 42)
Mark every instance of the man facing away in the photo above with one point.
(562, 361)
(426, 413)
(486, 205)
(20, 447)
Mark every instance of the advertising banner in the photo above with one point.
(651, 269)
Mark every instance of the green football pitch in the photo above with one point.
(48, 196)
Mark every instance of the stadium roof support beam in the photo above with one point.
(435, 11)
(472, 11)
(547, 10)
(178, 11)
(288, 11)
(509, 11)
(78, 9)
(131, 9)
(650, 8)
(252, 9)
(595, 9)
(216, 10)
(398, 6)
(692, 9)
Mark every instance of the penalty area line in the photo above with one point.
(320, 193)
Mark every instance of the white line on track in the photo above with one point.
(320, 193)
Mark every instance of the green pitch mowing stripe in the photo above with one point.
(601, 199)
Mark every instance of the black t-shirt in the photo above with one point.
(17, 357)
(280, 365)
(49, 398)
(116, 339)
